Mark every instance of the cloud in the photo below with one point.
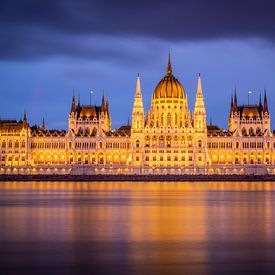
(33, 29)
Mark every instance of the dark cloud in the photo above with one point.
(33, 29)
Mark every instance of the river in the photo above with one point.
(137, 228)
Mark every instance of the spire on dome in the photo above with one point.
(169, 66)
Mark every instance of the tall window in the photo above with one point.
(169, 119)
(176, 119)
(199, 143)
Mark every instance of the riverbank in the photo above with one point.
(164, 178)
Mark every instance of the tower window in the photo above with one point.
(199, 143)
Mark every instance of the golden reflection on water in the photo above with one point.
(184, 218)
(159, 186)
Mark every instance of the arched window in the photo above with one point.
(199, 143)
(251, 132)
(237, 144)
(162, 119)
(176, 119)
(4, 144)
(258, 131)
(80, 131)
(137, 143)
(244, 131)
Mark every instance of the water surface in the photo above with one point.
(137, 228)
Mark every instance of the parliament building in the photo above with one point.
(168, 139)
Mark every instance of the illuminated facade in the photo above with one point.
(168, 139)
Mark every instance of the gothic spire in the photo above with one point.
(199, 103)
(25, 119)
(265, 103)
(138, 96)
(235, 98)
(78, 103)
(138, 89)
(43, 127)
(260, 101)
(107, 106)
(102, 103)
(73, 105)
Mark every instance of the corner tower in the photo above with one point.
(200, 128)
(137, 128)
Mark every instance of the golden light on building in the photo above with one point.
(167, 139)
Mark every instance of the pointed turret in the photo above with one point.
(107, 106)
(43, 127)
(103, 103)
(260, 100)
(78, 102)
(260, 107)
(235, 98)
(25, 122)
(199, 103)
(169, 66)
(137, 127)
(73, 105)
(200, 127)
(138, 95)
(199, 109)
(78, 107)
(138, 111)
(265, 109)
(235, 102)
(25, 117)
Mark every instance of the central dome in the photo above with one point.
(169, 86)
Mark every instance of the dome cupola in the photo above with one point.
(169, 86)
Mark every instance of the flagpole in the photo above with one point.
(91, 92)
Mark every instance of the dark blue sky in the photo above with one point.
(50, 48)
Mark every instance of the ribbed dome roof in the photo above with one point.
(169, 86)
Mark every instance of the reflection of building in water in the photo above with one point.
(168, 139)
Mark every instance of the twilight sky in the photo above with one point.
(50, 48)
